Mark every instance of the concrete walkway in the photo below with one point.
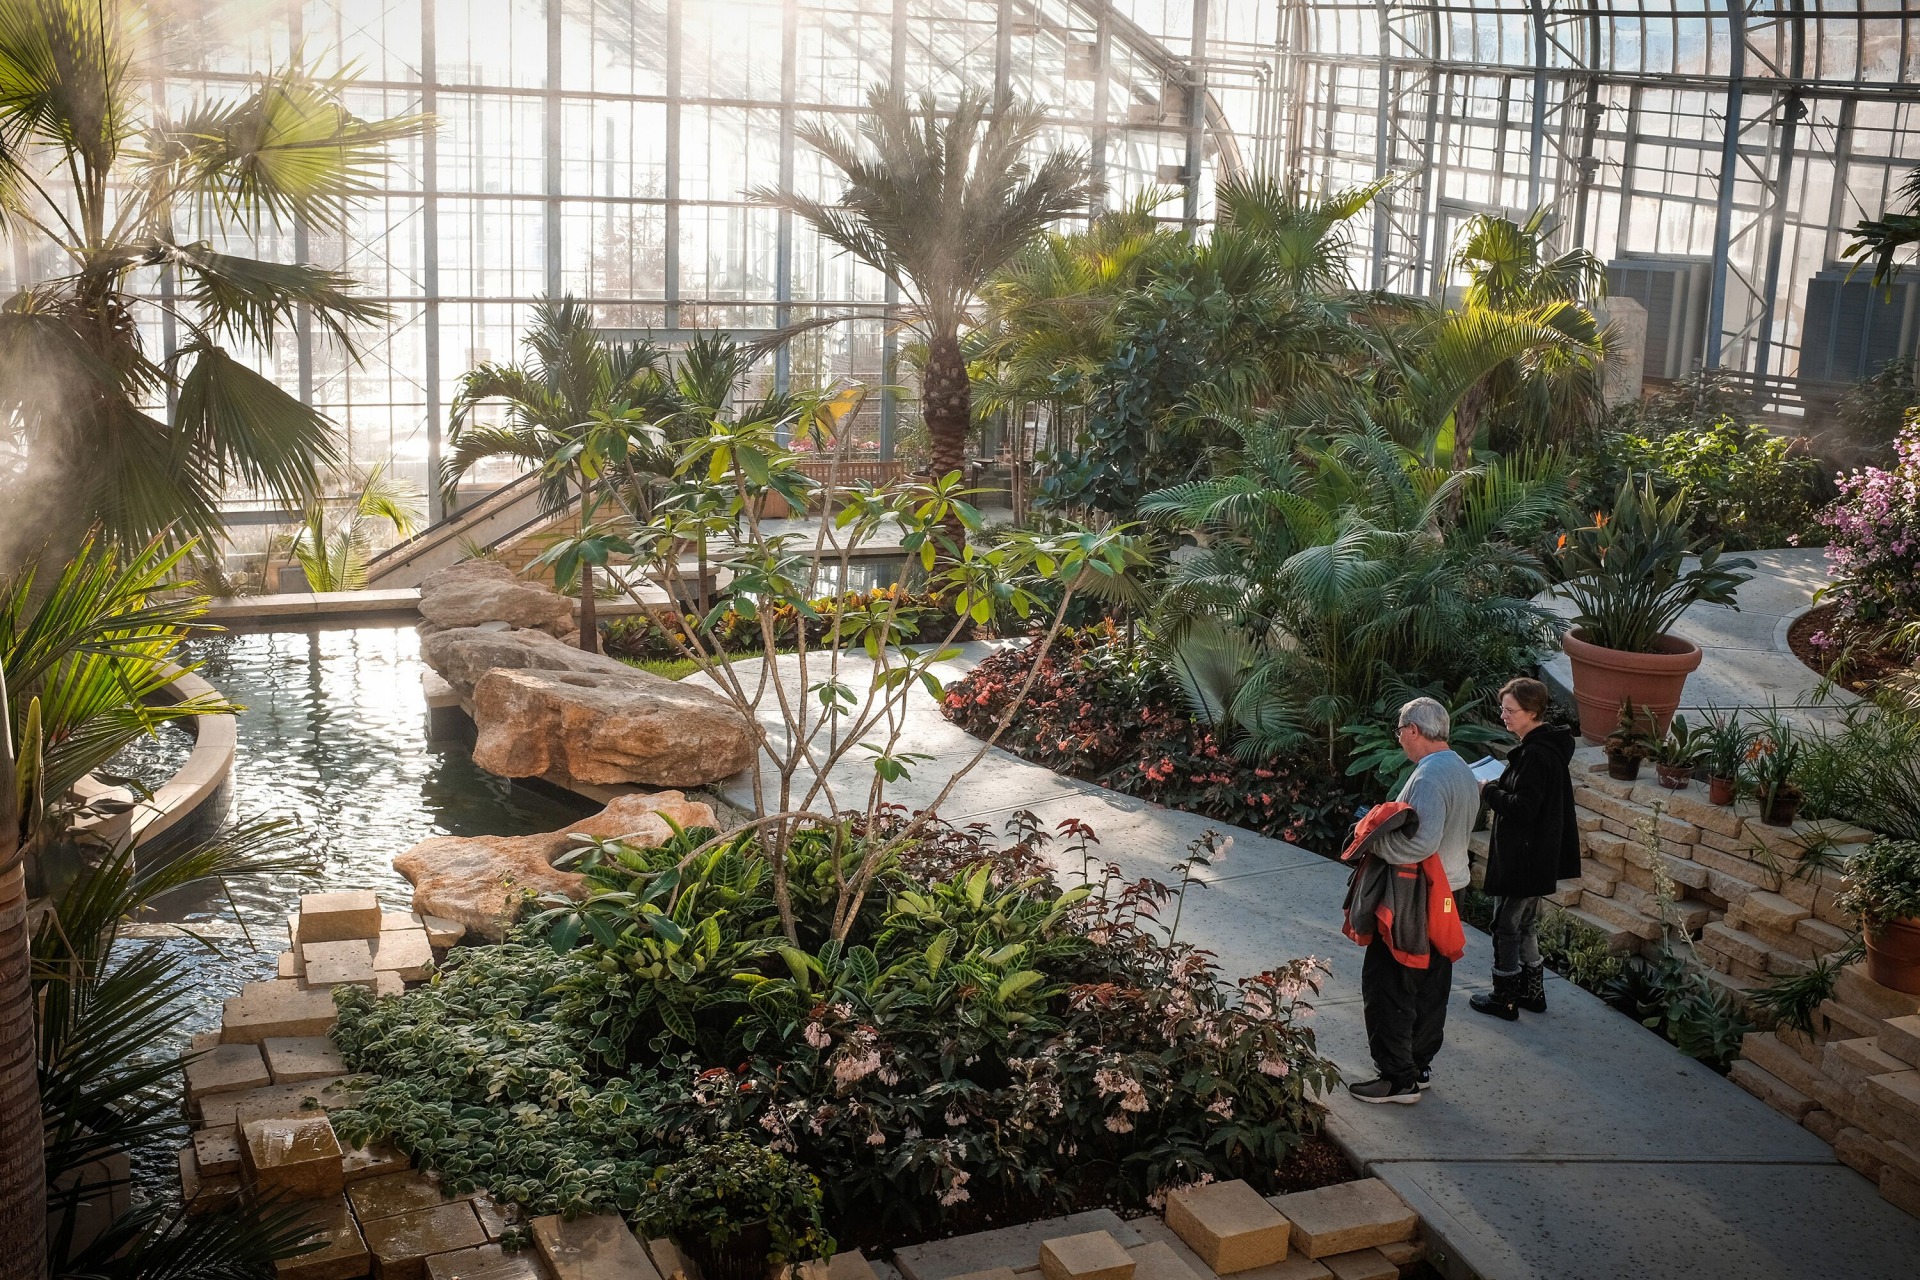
(1745, 660)
(1571, 1146)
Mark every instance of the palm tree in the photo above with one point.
(598, 419)
(938, 202)
(121, 191)
(1882, 239)
(333, 543)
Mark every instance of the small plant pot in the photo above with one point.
(1893, 955)
(741, 1256)
(1721, 790)
(1674, 776)
(1781, 808)
(1623, 768)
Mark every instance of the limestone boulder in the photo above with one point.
(478, 881)
(463, 654)
(606, 727)
(480, 591)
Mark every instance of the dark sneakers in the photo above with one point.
(1385, 1090)
(1425, 1080)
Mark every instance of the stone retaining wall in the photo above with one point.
(1760, 904)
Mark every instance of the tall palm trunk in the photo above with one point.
(23, 1169)
(589, 611)
(946, 402)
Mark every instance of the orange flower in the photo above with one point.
(1562, 544)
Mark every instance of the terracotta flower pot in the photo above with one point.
(1893, 955)
(1674, 776)
(1623, 768)
(1603, 677)
(1780, 808)
(1721, 790)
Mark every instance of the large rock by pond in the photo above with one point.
(464, 654)
(599, 726)
(481, 591)
(478, 880)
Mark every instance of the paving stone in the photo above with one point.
(373, 1161)
(492, 1214)
(1772, 910)
(1861, 1152)
(1229, 1225)
(217, 1150)
(1156, 1260)
(1900, 1038)
(1900, 1189)
(1346, 1216)
(483, 1262)
(293, 1059)
(402, 1244)
(1770, 1089)
(343, 1257)
(203, 1192)
(1091, 1255)
(1857, 991)
(336, 917)
(848, 1264)
(335, 963)
(228, 1068)
(250, 1018)
(200, 1041)
(599, 1247)
(392, 920)
(1015, 1247)
(275, 1100)
(1361, 1264)
(393, 1194)
(292, 1156)
(405, 952)
(291, 966)
(1778, 1060)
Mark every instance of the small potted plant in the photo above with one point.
(735, 1208)
(1628, 744)
(1676, 755)
(1724, 742)
(1772, 757)
(1628, 579)
(1883, 889)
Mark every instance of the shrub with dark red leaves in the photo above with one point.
(1103, 710)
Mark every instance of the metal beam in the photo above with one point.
(783, 251)
(430, 252)
(1196, 113)
(1729, 158)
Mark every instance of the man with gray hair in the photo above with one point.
(1406, 1008)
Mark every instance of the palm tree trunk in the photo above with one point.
(589, 611)
(946, 402)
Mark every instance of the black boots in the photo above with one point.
(1503, 1001)
(1513, 992)
(1532, 991)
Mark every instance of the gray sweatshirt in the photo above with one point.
(1444, 792)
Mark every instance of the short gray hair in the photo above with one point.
(1429, 717)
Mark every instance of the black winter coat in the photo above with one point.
(1535, 842)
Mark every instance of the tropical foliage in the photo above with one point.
(937, 200)
(980, 1035)
(335, 540)
(109, 188)
(1747, 488)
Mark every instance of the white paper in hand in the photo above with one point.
(1487, 770)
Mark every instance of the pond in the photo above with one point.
(333, 734)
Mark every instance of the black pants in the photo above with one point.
(1406, 1011)
(1516, 935)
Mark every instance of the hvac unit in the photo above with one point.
(1853, 327)
(1674, 292)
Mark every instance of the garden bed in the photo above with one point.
(1865, 668)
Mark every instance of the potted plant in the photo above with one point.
(1678, 752)
(1724, 742)
(1629, 743)
(1628, 579)
(1883, 889)
(1772, 757)
(735, 1208)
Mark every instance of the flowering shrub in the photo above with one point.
(642, 637)
(1101, 711)
(1874, 544)
(985, 1035)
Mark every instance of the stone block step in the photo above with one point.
(338, 917)
(294, 1059)
(1900, 1038)
(1619, 916)
(483, 1262)
(402, 1244)
(275, 1009)
(1157, 1260)
(1017, 1247)
(1857, 991)
(295, 1157)
(1619, 941)
(1229, 1226)
(1345, 1217)
(1770, 1089)
(1780, 1061)
(599, 1247)
(343, 1254)
(1363, 1264)
(227, 1068)
(1091, 1255)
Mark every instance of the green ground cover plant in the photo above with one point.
(983, 1036)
